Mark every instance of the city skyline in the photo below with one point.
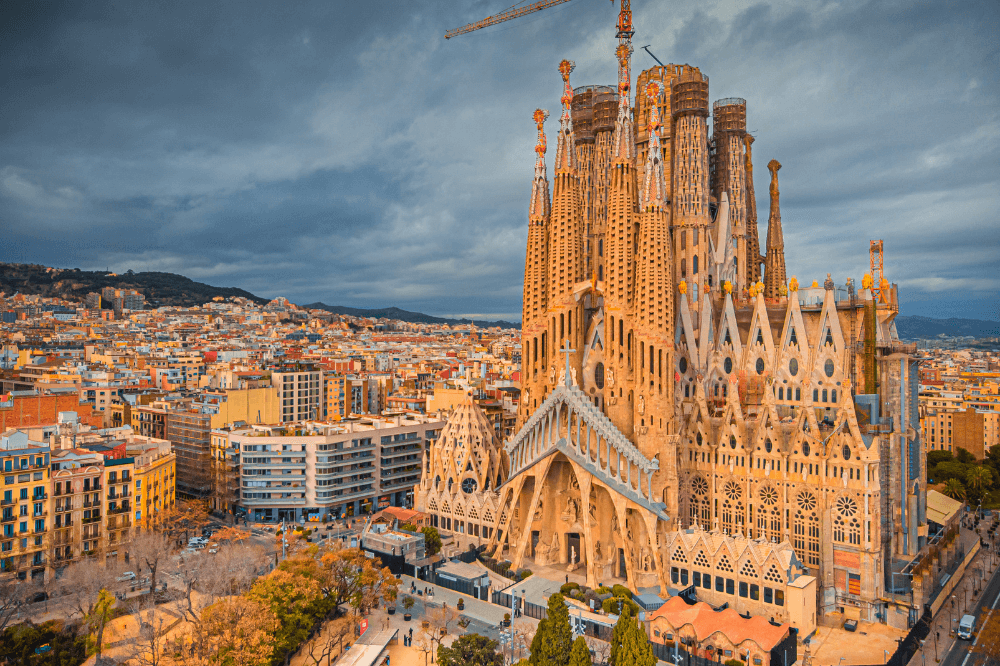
(337, 155)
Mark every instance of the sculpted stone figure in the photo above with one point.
(539, 508)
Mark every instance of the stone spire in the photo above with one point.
(654, 190)
(564, 313)
(566, 148)
(774, 262)
(754, 258)
(533, 339)
(619, 269)
(623, 147)
(652, 307)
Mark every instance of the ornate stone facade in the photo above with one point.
(461, 473)
(667, 388)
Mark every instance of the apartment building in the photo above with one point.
(26, 506)
(316, 469)
(300, 391)
(954, 419)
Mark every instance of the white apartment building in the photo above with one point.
(318, 469)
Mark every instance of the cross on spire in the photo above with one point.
(566, 350)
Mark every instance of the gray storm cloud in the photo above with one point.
(345, 152)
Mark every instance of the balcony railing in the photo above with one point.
(8, 519)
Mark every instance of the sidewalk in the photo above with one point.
(966, 597)
(476, 609)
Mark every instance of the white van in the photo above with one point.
(966, 626)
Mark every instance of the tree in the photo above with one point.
(580, 656)
(101, 613)
(87, 584)
(355, 579)
(939, 456)
(14, 595)
(238, 632)
(183, 518)
(600, 649)
(470, 650)
(296, 601)
(964, 456)
(432, 540)
(629, 644)
(146, 647)
(954, 489)
(978, 478)
(554, 641)
(208, 577)
(151, 550)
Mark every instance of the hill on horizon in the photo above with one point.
(170, 289)
(72, 284)
(915, 327)
(405, 315)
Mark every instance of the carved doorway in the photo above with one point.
(622, 570)
(573, 552)
(534, 542)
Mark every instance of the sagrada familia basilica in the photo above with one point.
(679, 405)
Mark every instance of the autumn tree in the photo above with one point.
(238, 631)
(185, 517)
(358, 580)
(296, 601)
(205, 578)
(470, 650)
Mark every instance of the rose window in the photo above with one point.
(732, 490)
(769, 496)
(807, 501)
(847, 506)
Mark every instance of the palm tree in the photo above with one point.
(954, 489)
(978, 477)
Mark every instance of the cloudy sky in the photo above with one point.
(345, 152)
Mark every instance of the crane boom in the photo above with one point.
(506, 15)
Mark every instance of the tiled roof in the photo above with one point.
(731, 624)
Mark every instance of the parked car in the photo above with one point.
(127, 577)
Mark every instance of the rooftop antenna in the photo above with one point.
(646, 49)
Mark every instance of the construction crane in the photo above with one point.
(506, 15)
(516, 11)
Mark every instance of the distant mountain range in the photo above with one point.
(406, 315)
(72, 284)
(915, 327)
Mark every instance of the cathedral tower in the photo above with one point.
(691, 216)
(751, 265)
(533, 318)
(653, 303)
(774, 262)
(619, 274)
(566, 258)
(729, 174)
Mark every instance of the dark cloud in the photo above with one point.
(345, 152)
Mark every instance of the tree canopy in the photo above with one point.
(470, 650)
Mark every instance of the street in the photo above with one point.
(960, 653)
